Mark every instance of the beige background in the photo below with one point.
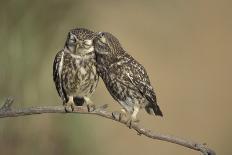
(184, 45)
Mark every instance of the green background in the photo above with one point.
(184, 45)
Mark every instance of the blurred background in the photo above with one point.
(184, 45)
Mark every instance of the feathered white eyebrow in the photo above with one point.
(72, 35)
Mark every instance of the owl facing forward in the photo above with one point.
(74, 70)
(125, 78)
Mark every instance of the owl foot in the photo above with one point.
(91, 107)
(69, 106)
(118, 115)
(131, 122)
(133, 117)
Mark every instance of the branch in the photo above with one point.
(7, 111)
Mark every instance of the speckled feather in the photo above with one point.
(57, 78)
(125, 78)
(74, 74)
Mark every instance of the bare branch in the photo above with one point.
(7, 111)
(7, 105)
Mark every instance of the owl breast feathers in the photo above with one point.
(74, 76)
(74, 68)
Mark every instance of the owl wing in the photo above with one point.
(57, 69)
(139, 78)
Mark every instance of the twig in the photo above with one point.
(7, 111)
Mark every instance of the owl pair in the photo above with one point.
(88, 55)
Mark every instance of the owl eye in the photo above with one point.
(101, 34)
(88, 42)
(87, 46)
(102, 37)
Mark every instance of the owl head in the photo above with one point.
(108, 45)
(80, 41)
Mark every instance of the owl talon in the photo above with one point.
(118, 115)
(91, 107)
(131, 122)
(72, 107)
(69, 106)
(66, 109)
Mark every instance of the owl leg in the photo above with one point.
(134, 114)
(90, 105)
(133, 117)
(69, 106)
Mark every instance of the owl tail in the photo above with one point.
(153, 109)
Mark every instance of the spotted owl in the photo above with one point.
(125, 78)
(74, 68)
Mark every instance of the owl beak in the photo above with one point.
(80, 44)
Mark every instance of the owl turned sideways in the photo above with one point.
(74, 69)
(125, 78)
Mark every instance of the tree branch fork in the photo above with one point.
(6, 110)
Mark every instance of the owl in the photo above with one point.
(125, 78)
(74, 69)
